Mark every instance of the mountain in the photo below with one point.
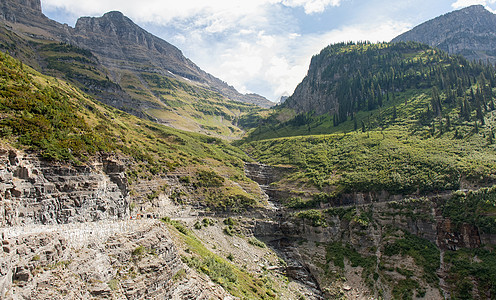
(403, 91)
(350, 85)
(117, 40)
(89, 191)
(375, 179)
(122, 65)
(470, 31)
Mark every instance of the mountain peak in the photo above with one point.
(114, 36)
(114, 15)
(469, 31)
(476, 7)
(113, 21)
(11, 10)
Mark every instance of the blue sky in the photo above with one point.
(262, 46)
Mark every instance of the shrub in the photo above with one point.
(256, 242)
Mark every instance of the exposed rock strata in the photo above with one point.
(123, 260)
(36, 191)
(303, 244)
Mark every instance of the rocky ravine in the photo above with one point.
(66, 233)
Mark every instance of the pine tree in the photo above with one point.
(436, 101)
(465, 110)
(379, 95)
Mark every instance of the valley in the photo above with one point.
(127, 172)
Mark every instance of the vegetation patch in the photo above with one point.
(314, 216)
(236, 281)
(477, 208)
(424, 253)
(469, 266)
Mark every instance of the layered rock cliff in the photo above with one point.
(34, 191)
(470, 32)
(119, 260)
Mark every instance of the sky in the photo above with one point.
(262, 46)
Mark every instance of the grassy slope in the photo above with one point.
(401, 147)
(58, 121)
(170, 99)
(192, 107)
(393, 160)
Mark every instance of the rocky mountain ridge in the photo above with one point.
(122, 65)
(469, 32)
(115, 37)
(117, 40)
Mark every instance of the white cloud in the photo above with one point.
(464, 3)
(219, 13)
(312, 6)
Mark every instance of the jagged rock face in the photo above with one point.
(35, 191)
(24, 8)
(313, 94)
(470, 32)
(116, 37)
(131, 261)
(29, 13)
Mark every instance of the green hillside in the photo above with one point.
(55, 119)
(370, 86)
(167, 99)
(409, 120)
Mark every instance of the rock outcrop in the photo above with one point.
(119, 260)
(470, 32)
(37, 191)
